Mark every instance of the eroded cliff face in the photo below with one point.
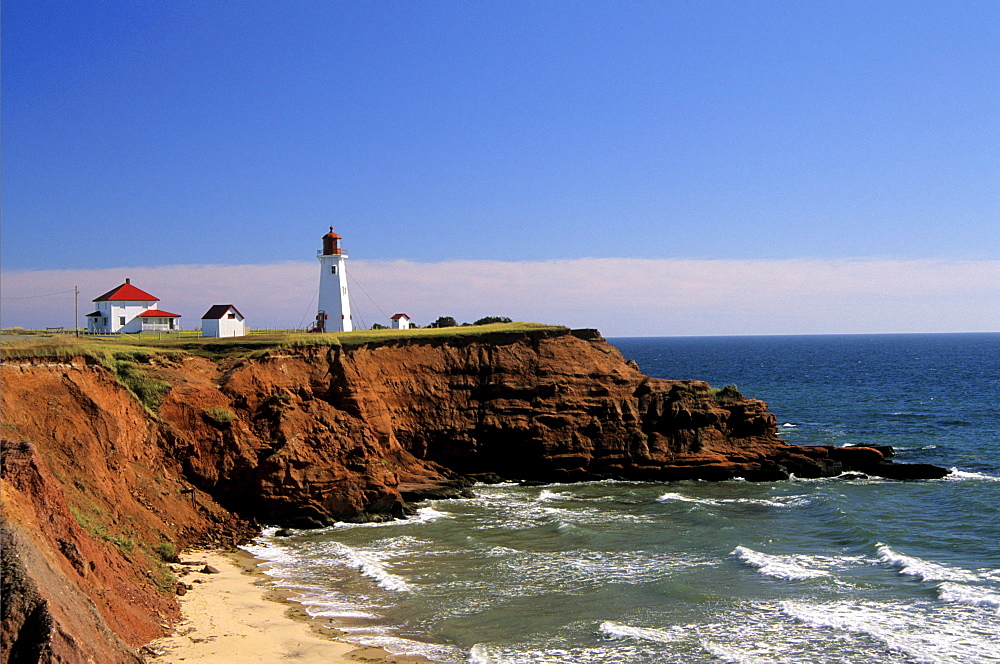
(98, 490)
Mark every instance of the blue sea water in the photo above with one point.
(832, 570)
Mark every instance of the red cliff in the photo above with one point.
(99, 490)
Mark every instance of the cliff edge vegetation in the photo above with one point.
(118, 453)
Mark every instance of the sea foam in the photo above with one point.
(371, 567)
(616, 630)
(922, 569)
(924, 637)
(959, 475)
(968, 595)
(789, 568)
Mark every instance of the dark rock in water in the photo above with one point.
(486, 478)
(282, 532)
(852, 476)
(415, 493)
(886, 450)
(909, 471)
(773, 473)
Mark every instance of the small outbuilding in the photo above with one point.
(400, 322)
(223, 320)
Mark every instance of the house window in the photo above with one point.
(231, 316)
(104, 321)
(121, 320)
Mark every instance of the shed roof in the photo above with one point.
(397, 316)
(217, 311)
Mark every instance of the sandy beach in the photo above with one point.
(232, 616)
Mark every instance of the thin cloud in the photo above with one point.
(620, 296)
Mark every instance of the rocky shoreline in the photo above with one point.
(100, 489)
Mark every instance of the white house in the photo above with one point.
(127, 309)
(223, 320)
(400, 322)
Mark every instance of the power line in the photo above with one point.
(35, 297)
(355, 281)
(309, 308)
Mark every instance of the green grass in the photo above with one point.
(167, 551)
(142, 349)
(728, 394)
(219, 416)
(147, 390)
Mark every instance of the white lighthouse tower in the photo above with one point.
(334, 313)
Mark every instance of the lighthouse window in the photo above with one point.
(344, 289)
(121, 320)
(333, 269)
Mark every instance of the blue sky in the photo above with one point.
(511, 134)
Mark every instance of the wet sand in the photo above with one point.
(233, 616)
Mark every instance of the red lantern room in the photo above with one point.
(331, 244)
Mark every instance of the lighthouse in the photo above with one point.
(334, 313)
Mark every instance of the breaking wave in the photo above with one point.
(789, 568)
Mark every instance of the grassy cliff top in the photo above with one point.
(15, 346)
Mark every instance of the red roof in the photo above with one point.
(394, 317)
(126, 292)
(156, 313)
(333, 235)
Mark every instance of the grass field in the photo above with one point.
(17, 344)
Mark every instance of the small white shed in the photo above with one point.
(223, 320)
(400, 322)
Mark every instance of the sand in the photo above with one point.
(234, 617)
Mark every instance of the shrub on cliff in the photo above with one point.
(148, 391)
(728, 394)
(219, 416)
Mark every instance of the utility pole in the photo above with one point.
(76, 310)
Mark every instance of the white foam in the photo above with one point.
(924, 637)
(728, 653)
(546, 495)
(670, 495)
(968, 595)
(336, 613)
(428, 514)
(480, 654)
(373, 568)
(780, 501)
(957, 474)
(789, 568)
(620, 631)
(922, 569)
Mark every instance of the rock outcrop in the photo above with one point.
(99, 491)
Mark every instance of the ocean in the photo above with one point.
(832, 570)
